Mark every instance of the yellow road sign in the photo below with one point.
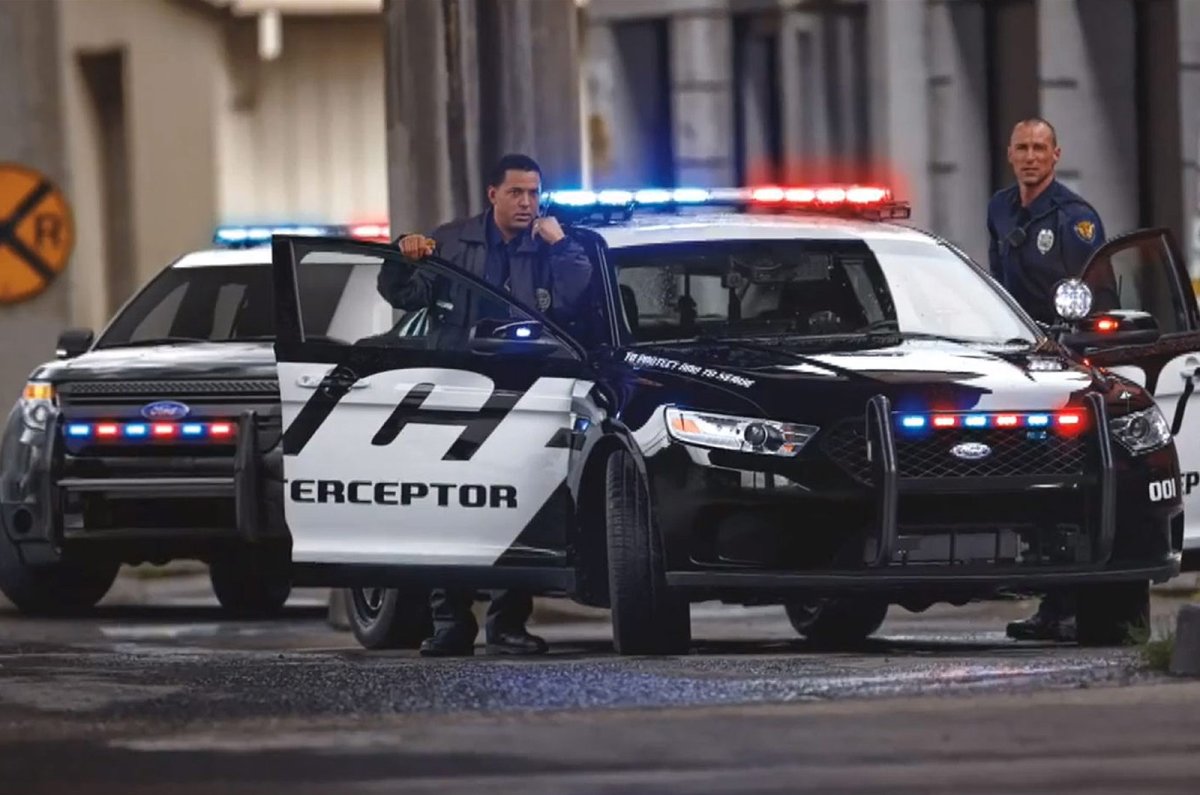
(37, 233)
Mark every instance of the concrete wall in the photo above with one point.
(173, 62)
(303, 137)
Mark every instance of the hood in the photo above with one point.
(188, 360)
(916, 375)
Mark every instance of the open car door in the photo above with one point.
(427, 422)
(1143, 271)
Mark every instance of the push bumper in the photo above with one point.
(35, 513)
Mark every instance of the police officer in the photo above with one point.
(510, 246)
(1040, 233)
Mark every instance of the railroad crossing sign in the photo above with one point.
(37, 233)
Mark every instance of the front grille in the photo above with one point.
(1015, 453)
(266, 387)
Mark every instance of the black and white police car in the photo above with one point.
(144, 444)
(780, 396)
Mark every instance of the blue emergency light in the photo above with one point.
(248, 235)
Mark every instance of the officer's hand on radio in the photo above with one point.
(548, 229)
(417, 246)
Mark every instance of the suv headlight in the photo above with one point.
(1142, 431)
(744, 434)
(38, 404)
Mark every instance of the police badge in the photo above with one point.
(1045, 240)
(543, 298)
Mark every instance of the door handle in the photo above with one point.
(314, 382)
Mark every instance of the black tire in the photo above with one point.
(389, 618)
(841, 621)
(58, 589)
(251, 582)
(1112, 614)
(647, 616)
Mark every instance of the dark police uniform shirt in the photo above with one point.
(1033, 248)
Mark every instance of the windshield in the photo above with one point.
(219, 303)
(810, 288)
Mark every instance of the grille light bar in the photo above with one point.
(141, 430)
(1066, 420)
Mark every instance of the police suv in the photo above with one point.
(779, 396)
(145, 444)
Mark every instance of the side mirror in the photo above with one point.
(1111, 329)
(73, 342)
(511, 336)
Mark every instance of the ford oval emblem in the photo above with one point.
(165, 410)
(971, 451)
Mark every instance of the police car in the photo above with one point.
(781, 396)
(145, 444)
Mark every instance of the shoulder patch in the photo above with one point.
(1085, 230)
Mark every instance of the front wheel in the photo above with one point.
(57, 589)
(389, 618)
(648, 617)
(838, 621)
(1112, 614)
(251, 582)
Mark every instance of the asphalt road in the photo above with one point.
(159, 692)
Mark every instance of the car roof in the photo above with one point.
(659, 229)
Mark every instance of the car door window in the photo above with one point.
(385, 302)
(1139, 272)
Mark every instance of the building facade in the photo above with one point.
(921, 94)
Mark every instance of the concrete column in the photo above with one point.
(1087, 59)
(31, 134)
(420, 194)
(701, 45)
(556, 86)
(959, 160)
(1189, 112)
(506, 79)
(898, 48)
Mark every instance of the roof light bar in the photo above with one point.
(244, 236)
(863, 200)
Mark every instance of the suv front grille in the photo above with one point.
(1015, 453)
(207, 392)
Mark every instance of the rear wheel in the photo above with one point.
(647, 616)
(251, 582)
(1112, 614)
(389, 618)
(837, 621)
(57, 589)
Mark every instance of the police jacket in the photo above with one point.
(1033, 248)
(551, 278)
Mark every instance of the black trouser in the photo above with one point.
(508, 612)
(1058, 603)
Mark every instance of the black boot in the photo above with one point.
(1054, 620)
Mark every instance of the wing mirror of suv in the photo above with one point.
(1088, 330)
(73, 342)
(511, 336)
(1110, 329)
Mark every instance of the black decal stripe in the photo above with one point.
(395, 422)
(562, 439)
(481, 426)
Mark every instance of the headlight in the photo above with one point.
(37, 404)
(1141, 431)
(744, 434)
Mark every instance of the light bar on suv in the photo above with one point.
(246, 235)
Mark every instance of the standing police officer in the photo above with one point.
(511, 247)
(1040, 233)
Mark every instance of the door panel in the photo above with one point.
(404, 444)
(1143, 271)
